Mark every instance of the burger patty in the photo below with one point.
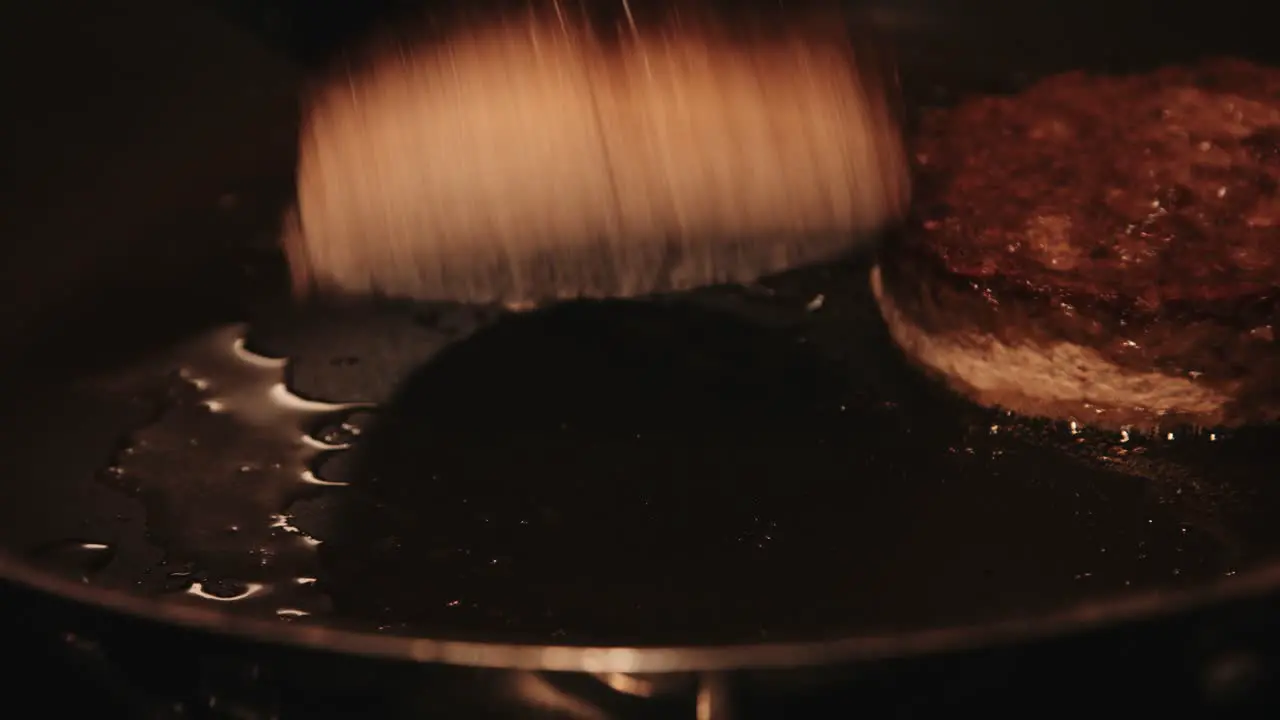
(1135, 216)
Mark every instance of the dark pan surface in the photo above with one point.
(726, 469)
(731, 466)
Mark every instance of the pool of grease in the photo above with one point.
(730, 465)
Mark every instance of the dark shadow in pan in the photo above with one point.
(628, 473)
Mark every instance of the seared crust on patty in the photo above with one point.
(1144, 189)
(1105, 248)
(1052, 377)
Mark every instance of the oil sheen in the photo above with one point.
(219, 469)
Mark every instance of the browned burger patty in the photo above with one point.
(1105, 249)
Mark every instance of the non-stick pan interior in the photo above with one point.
(728, 466)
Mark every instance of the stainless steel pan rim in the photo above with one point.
(1252, 584)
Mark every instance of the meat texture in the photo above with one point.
(1135, 219)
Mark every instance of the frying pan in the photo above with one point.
(658, 494)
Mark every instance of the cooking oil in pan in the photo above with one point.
(75, 558)
(731, 470)
(218, 470)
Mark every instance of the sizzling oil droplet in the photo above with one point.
(77, 558)
(226, 592)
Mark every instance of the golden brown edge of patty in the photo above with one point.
(1055, 379)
